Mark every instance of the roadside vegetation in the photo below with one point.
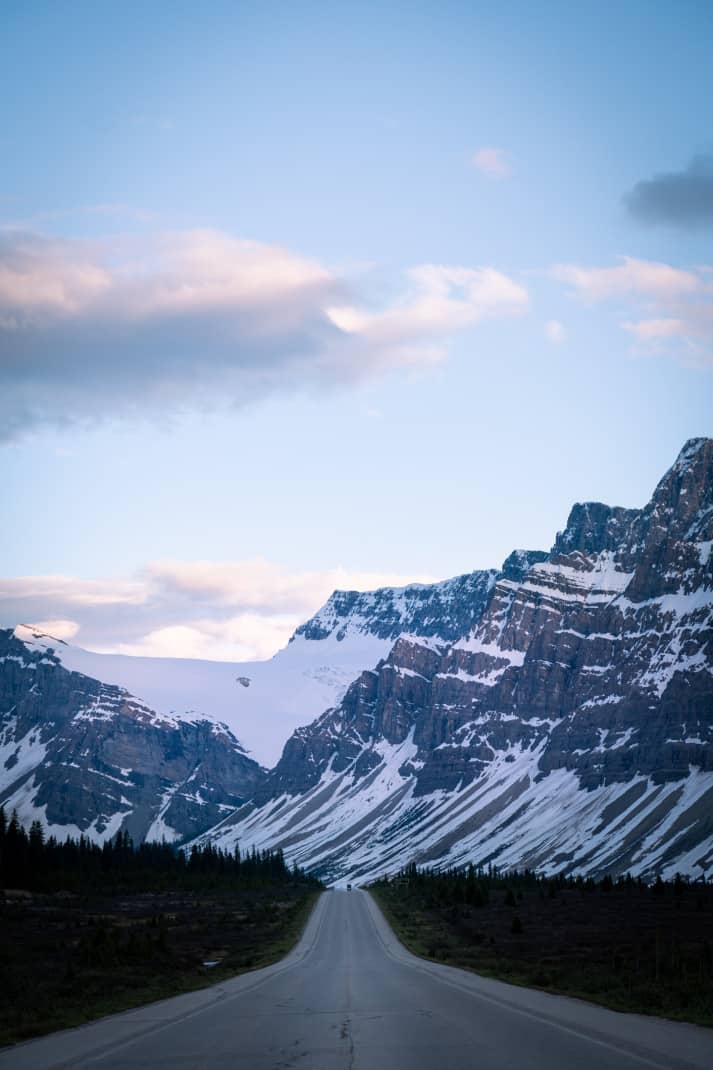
(88, 930)
(624, 944)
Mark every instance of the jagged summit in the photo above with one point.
(684, 496)
(681, 493)
(593, 527)
(519, 562)
(690, 451)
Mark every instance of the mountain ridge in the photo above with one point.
(592, 672)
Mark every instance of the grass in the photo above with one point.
(66, 960)
(626, 948)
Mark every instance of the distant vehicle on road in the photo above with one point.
(349, 887)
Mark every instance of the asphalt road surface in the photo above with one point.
(349, 997)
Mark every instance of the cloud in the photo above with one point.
(652, 330)
(493, 162)
(679, 198)
(631, 276)
(555, 331)
(688, 332)
(60, 629)
(441, 300)
(198, 319)
(672, 308)
(245, 637)
(264, 585)
(230, 610)
(69, 591)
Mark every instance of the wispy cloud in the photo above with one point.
(58, 593)
(232, 610)
(60, 629)
(261, 584)
(441, 300)
(670, 309)
(648, 277)
(492, 161)
(199, 318)
(679, 198)
(555, 331)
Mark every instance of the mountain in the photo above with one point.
(569, 728)
(164, 748)
(262, 702)
(557, 713)
(86, 757)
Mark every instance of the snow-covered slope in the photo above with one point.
(352, 826)
(262, 702)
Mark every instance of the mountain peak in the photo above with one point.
(690, 449)
(519, 562)
(684, 496)
(593, 527)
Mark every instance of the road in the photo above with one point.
(350, 997)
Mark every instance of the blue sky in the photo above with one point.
(359, 292)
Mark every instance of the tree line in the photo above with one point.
(474, 886)
(30, 860)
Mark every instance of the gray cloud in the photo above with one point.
(198, 319)
(679, 198)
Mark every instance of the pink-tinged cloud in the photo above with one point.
(216, 609)
(492, 161)
(650, 330)
(671, 308)
(68, 591)
(646, 277)
(441, 300)
(200, 318)
(555, 331)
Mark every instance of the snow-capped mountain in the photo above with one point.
(557, 713)
(263, 702)
(87, 757)
(162, 747)
(570, 728)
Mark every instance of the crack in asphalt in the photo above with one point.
(346, 1034)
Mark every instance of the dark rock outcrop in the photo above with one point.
(87, 757)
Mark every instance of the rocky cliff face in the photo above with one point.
(568, 725)
(87, 757)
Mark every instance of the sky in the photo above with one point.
(314, 295)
